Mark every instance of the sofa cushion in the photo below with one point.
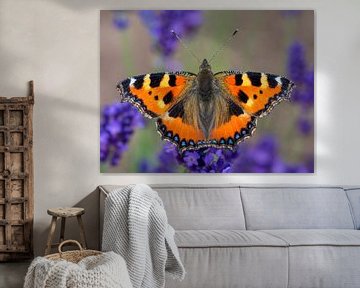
(354, 198)
(296, 208)
(324, 266)
(226, 238)
(217, 267)
(328, 258)
(192, 208)
(315, 237)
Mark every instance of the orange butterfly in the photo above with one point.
(205, 109)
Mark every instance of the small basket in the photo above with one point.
(72, 256)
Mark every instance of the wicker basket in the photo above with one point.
(72, 256)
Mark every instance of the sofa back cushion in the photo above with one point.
(203, 208)
(296, 208)
(354, 198)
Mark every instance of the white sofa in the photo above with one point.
(242, 236)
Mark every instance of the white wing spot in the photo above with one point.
(278, 79)
(132, 81)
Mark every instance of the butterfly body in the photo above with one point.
(205, 79)
(205, 109)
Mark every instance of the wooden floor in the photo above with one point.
(12, 274)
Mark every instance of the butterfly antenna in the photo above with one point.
(185, 47)
(226, 43)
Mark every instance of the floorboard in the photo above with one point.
(12, 274)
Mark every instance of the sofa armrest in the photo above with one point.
(102, 197)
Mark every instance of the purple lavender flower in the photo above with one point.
(301, 75)
(160, 24)
(296, 62)
(304, 81)
(150, 20)
(308, 93)
(304, 125)
(167, 162)
(120, 20)
(310, 164)
(257, 158)
(118, 123)
(264, 157)
(191, 159)
(144, 166)
(204, 160)
(207, 160)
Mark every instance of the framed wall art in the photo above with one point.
(207, 91)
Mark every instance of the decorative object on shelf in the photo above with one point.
(16, 177)
(80, 268)
(64, 213)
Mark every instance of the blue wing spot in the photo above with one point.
(183, 143)
(237, 136)
(191, 142)
(222, 141)
(230, 141)
(169, 134)
(176, 138)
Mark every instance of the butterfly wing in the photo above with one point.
(154, 94)
(175, 130)
(235, 130)
(257, 93)
(168, 97)
(248, 96)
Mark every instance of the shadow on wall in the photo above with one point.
(64, 169)
(66, 113)
(62, 158)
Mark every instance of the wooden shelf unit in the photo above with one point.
(16, 177)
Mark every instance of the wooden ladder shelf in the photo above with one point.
(16, 177)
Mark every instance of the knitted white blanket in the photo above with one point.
(136, 227)
(103, 271)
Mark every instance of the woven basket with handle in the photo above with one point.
(72, 256)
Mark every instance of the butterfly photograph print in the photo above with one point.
(201, 110)
(203, 118)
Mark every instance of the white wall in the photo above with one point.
(56, 43)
